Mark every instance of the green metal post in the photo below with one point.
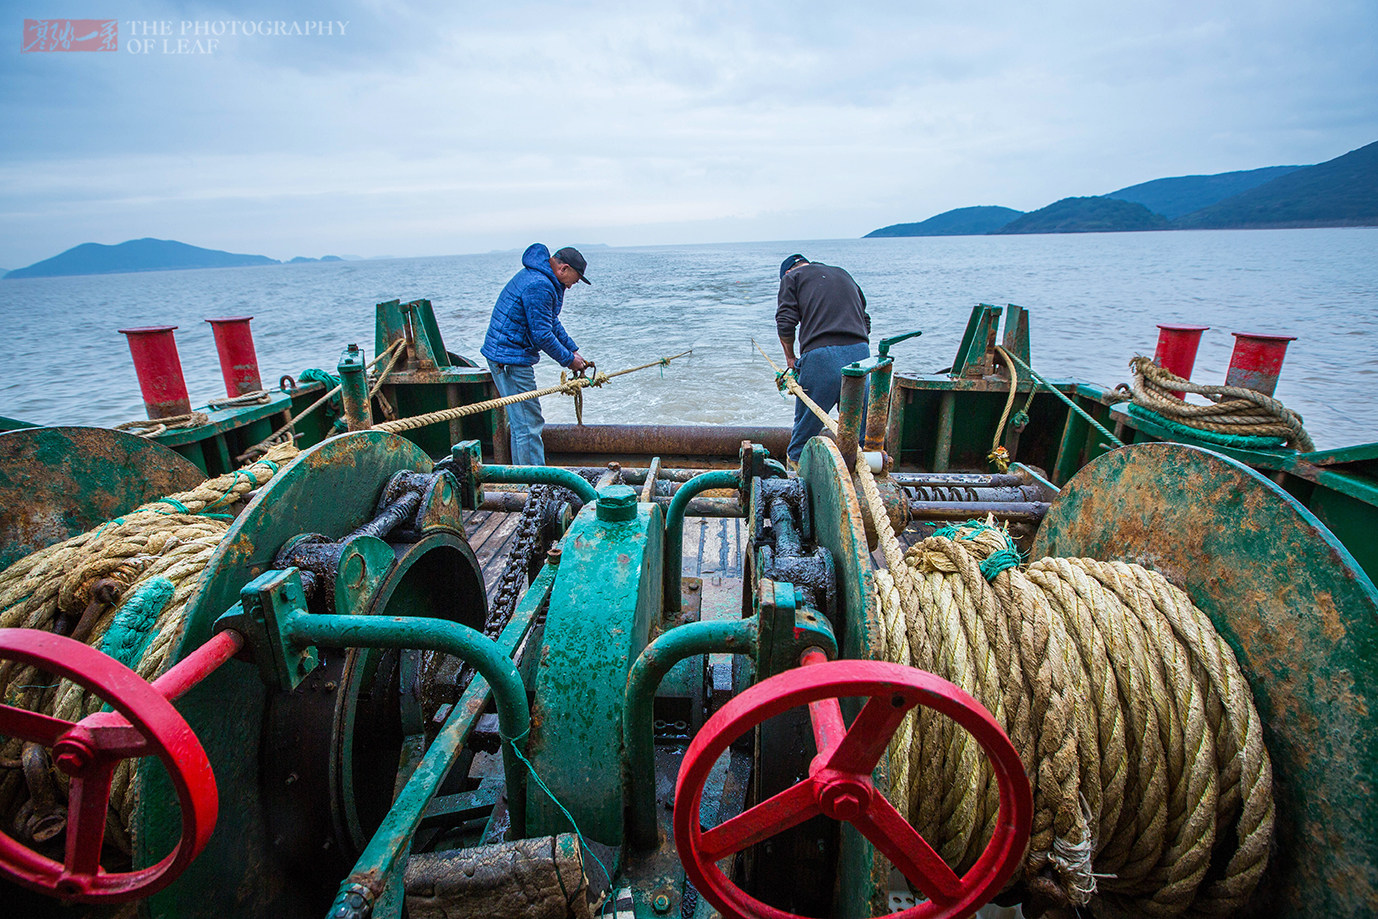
(878, 406)
(674, 527)
(947, 413)
(849, 408)
(539, 475)
(732, 636)
(354, 389)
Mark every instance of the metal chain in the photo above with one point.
(525, 544)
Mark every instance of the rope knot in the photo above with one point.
(991, 546)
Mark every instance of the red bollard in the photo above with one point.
(1176, 352)
(1257, 361)
(238, 362)
(160, 371)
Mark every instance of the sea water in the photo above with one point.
(1094, 302)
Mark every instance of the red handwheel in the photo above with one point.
(839, 784)
(89, 751)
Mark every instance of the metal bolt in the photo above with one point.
(616, 503)
(661, 904)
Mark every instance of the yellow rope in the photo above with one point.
(569, 387)
(1128, 710)
(1234, 410)
(394, 349)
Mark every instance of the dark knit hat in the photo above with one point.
(574, 259)
(790, 262)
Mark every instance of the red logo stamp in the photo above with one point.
(71, 35)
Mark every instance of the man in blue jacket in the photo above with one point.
(526, 321)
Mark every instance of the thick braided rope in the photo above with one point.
(1159, 755)
(155, 426)
(568, 387)
(1234, 410)
(171, 538)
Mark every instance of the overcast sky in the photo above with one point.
(433, 128)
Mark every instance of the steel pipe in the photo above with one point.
(957, 511)
(159, 370)
(674, 528)
(730, 636)
(234, 344)
(539, 475)
(662, 439)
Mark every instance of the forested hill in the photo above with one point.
(964, 221)
(1183, 194)
(1342, 192)
(135, 255)
(1087, 215)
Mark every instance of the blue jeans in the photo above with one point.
(524, 419)
(820, 373)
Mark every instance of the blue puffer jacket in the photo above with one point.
(526, 318)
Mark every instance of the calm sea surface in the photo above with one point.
(1094, 302)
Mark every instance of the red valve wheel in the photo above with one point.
(89, 751)
(839, 784)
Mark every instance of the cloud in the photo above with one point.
(430, 128)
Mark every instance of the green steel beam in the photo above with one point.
(538, 475)
(674, 528)
(733, 636)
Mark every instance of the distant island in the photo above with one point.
(1342, 192)
(964, 221)
(142, 255)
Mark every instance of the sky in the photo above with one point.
(436, 128)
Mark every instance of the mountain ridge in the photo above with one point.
(1342, 191)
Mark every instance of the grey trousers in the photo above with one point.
(820, 373)
(524, 419)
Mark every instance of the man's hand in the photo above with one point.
(789, 363)
(578, 363)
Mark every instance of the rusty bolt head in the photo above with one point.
(552, 555)
(661, 904)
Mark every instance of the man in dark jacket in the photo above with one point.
(829, 310)
(526, 321)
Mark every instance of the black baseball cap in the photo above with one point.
(790, 262)
(574, 259)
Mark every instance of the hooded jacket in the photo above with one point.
(526, 318)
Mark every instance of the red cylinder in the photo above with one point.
(238, 361)
(160, 371)
(1176, 352)
(1257, 361)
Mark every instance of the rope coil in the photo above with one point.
(1152, 788)
(1234, 411)
(129, 581)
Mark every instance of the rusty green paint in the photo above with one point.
(1303, 620)
(605, 598)
(330, 489)
(58, 482)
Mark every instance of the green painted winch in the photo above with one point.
(343, 727)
